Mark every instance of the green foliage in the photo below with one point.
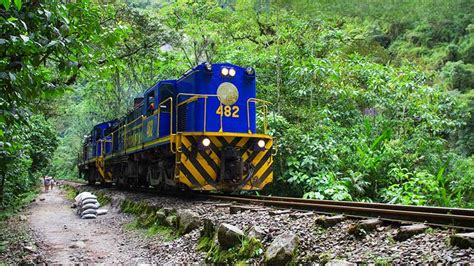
(166, 232)
(35, 142)
(70, 192)
(248, 249)
(372, 101)
(147, 219)
(459, 76)
(103, 198)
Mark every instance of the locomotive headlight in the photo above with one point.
(261, 144)
(231, 72)
(250, 71)
(206, 142)
(224, 71)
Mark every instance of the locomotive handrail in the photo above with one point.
(126, 128)
(265, 107)
(192, 99)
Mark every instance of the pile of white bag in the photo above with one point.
(87, 205)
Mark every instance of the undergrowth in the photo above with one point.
(69, 192)
(249, 248)
(103, 198)
(147, 220)
(20, 201)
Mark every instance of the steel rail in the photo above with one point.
(431, 209)
(437, 216)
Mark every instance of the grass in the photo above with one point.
(249, 248)
(146, 220)
(165, 231)
(69, 192)
(103, 198)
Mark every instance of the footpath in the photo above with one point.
(66, 238)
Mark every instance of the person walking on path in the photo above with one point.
(51, 182)
(46, 183)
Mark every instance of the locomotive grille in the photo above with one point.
(182, 117)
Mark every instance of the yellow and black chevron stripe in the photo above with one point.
(200, 169)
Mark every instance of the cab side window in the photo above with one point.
(150, 103)
(166, 91)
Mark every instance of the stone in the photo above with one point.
(282, 250)
(187, 221)
(229, 236)
(31, 249)
(78, 244)
(330, 221)
(171, 221)
(209, 228)
(462, 240)
(22, 218)
(234, 209)
(363, 227)
(168, 211)
(408, 231)
(161, 216)
(256, 232)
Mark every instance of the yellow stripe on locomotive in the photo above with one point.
(224, 161)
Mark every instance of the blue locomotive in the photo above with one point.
(197, 132)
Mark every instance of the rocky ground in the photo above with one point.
(316, 243)
(53, 233)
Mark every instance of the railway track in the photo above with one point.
(436, 216)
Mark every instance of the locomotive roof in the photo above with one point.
(104, 124)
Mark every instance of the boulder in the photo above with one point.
(171, 221)
(256, 232)
(282, 249)
(187, 221)
(209, 228)
(462, 240)
(168, 211)
(161, 217)
(229, 236)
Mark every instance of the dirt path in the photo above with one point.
(69, 239)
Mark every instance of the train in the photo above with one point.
(198, 132)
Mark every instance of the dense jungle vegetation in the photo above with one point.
(373, 100)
